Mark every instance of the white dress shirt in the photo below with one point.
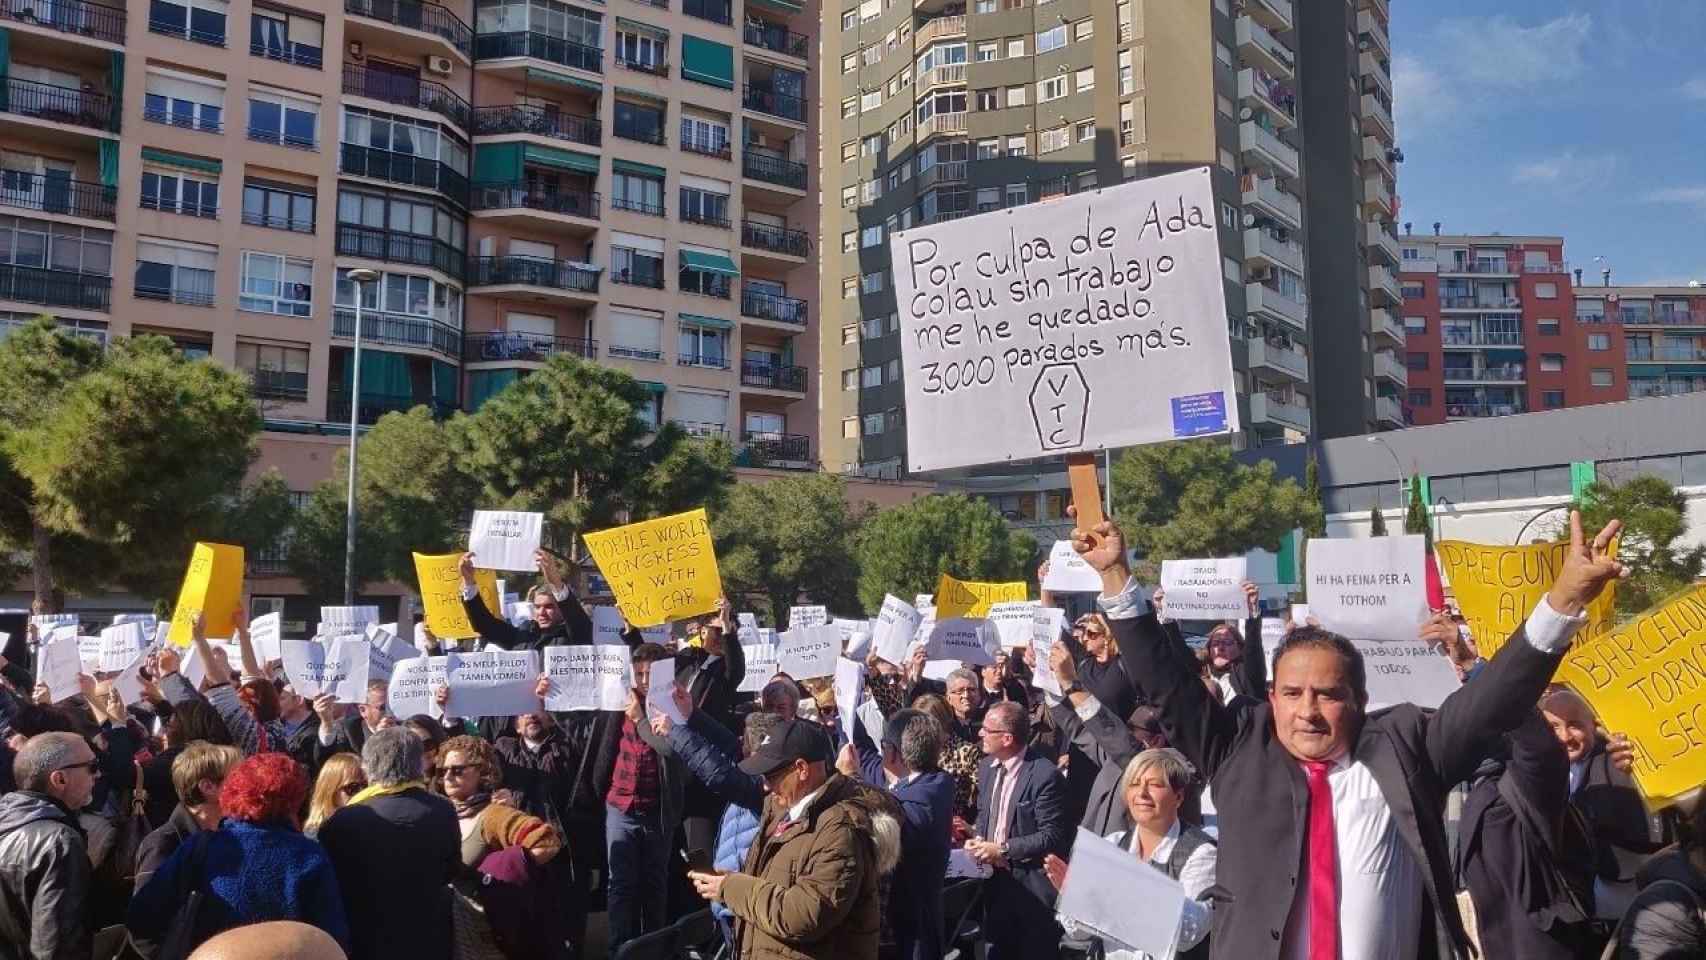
(1196, 877)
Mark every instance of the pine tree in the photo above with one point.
(1416, 518)
(1376, 522)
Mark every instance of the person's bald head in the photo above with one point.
(279, 940)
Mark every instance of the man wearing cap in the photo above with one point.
(808, 888)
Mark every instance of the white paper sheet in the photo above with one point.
(1109, 890)
(660, 691)
(413, 684)
(264, 635)
(588, 677)
(497, 683)
(338, 668)
(811, 616)
(849, 686)
(1205, 589)
(58, 665)
(1068, 573)
(337, 621)
(1012, 621)
(1374, 591)
(896, 626)
(505, 539)
(806, 653)
(761, 659)
(973, 642)
(121, 645)
(1046, 627)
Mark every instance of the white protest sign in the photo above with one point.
(607, 625)
(505, 539)
(856, 644)
(385, 652)
(658, 634)
(1374, 591)
(924, 600)
(338, 668)
(849, 684)
(1273, 634)
(492, 683)
(660, 692)
(518, 612)
(1046, 627)
(1205, 589)
(971, 641)
(58, 665)
(129, 682)
(45, 623)
(849, 627)
(264, 634)
(191, 666)
(939, 669)
(1120, 897)
(761, 662)
(89, 654)
(147, 620)
(896, 625)
(926, 625)
(413, 683)
(338, 621)
(595, 677)
(1090, 322)
(1300, 614)
(807, 617)
(1068, 573)
(1012, 621)
(809, 652)
(121, 645)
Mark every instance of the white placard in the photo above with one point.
(607, 625)
(89, 654)
(939, 669)
(809, 652)
(129, 682)
(505, 539)
(191, 667)
(926, 625)
(924, 600)
(1205, 589)
(1012, 621)
(492, 683)
(588, 677)
(1300, 614)
(385, 651)
(896, 625)
(121, 645)
(849, 684)
(413, 683)
(147, 620)
(658, 635)
(46, 622)
(761, 662)
(1068, 573)
(855, 642)
(1374, 591)
(58, 665)
(338, 621)
(264, 634)
(1273, 634)
(807, 617)
(660, 691)
(1046, 627)
(972, 642)
(518, 612)
(338, 668)
(1120, 897)
(1089, 322)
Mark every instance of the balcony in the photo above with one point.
(1277, 357)
(1378, 6)
(1382, 324)
(177, 23)
(940, 172)
(373, 243)
(769, 168)
(946, 124)
(1456, 337)
(1262, 194)
(657, 67)
(1258, 91)
(520, 198)
(403, 168)
(566, 279)
(774, 104)
(1494, 373)
(1379, 154)
(1386, 366)
(1372, 31)
(1377, 195)
(58, 195)
(538, 121)
(1662, 354)
(376, 405)
(539, 46)
(707, 146)
(397, 329)
(1389, 411)
(1257, 47)
(1478, 409)
(72, 107)
(944, 75)
(158, 285)
(772, 239)
(1264, 300)
(703, 361)
(778, 39)
(515, 347)
(1482, 266)
(1377, 118)
(1273, 14)
(785, 451)
(1376, 68)
(1542, 267)
(1379, 237)
(361, 81)
(278, 385)
(55, 288)
(1276, 409)
(774, 308)
(705, 430)
(430, 18)
(1266, 149)
(1490, 304)
(941, 28)
(1382, 280)
(1262, 247)
(96, 21)
(1631, 315)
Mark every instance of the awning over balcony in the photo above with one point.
(170, 159)
(561, 159)
(709, 263)
(535, 75)
(781, 6)
(715, 323)
(502, 162)
(707, 61)
(653, 387)
(638, 169)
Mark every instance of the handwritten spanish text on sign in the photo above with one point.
(1012, 620)
(337, 667)
(1497, 587)
(1374, 592)
(337, 621)
(1093, 321)
(121, 644)
(896, 626)
(971, 642)
(505, 539)
(264, 633)
(588, 677)
(660, 570)
(761, 660)
(213, 587)
(494, 683)
(1205, 589)
(1046, 627)
(441, 594)
(413, 685)
(1068, 573)
(963, 598)
(806, 653)
(807, 617)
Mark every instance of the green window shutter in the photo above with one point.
(715, 323)
(709, 263)
(561, 159)
(445, 382)
(5, 68)
(482, 384)
(1285, 562)
(109, 163)
(1581, 477)
(638, 169)
(653, 386)
(497, 163)
(170, 159)
(707, 61)
(115, 83)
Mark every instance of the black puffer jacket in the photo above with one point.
(1665, 921)
(44, 880)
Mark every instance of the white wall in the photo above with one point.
(1499, 521)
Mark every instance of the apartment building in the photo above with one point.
(1656, 334)
(526, 177)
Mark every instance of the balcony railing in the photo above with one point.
(76, 198)
(657, 68)
(637, 205)
(523, 43)
(716, 11)
(1649, 318)
(171, 293)
(278, 385)
(183, 121)
(635, 353)
(1486, 374)
(773, 169)
(373, 243)
(645, 128)
(1476, 303)
(55, 288)
(702, 360)
(708, 146)
(513, 346)
(416, 15)
(1480, 266)
(528, 118)
(763, 236)
(650, 277)
(376, 405)
(404, 168)
(773, 376)
(44, 101)
(702, 428)
(707, 218)
(399, 329)
(363, 81)
(81, 17)
(1685, 354)
(184, 31)
(773, 307)
(1483, 409)
(776, 104)
(763, 448)
(519, 194)
(781, 40)
(1484, 338)
(300, 54)
(533, 272)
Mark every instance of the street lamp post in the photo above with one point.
(358, 277)
(1378, 439)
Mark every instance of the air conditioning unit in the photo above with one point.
(438, 65)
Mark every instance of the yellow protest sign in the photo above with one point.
(213, 586)
(441, 594)
(660, 570)
(964, 598)
(1647, 679)
(1497, 587)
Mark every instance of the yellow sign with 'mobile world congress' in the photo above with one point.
(660, 570)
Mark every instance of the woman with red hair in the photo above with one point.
(256, 867)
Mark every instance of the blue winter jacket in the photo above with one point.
(712, 753)
(926, 802)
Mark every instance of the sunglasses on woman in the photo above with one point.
(448, 772)
(351, 789)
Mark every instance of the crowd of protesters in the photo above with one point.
(233, 817)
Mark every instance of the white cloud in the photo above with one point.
(1421, 98)
(1695, 89)
(1499, 52)
(1690, 196)
(1568, 170)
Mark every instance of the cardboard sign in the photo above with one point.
(264, 634)
(505, 539)
(1092, 321)
(1205, 589)
(761, 661)
(1497, 587)
(809, 652)
(213, 587)
(660, 692)
(963, 598)
(596, 677)
(1012, 621)
(495, 683)
(896, 626)
(1374, 591)
(338, 621)
(1068, 573)
(660, 570)
(120, 646)
(1120, 897)
(338, 668)
(807, 617)
(1046, 627)
(970, 642)
(849, 686)
(413, 684)
(441, 594)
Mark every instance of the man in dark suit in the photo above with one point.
(1021, 818)
(1332, 836)
(558, 617)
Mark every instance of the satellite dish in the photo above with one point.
(1249, 220)
(1245, 113)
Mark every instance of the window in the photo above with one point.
(987, 149)
(988, 50)
(703, 346)
(1015, 46)
(636, 334)
(849, 108)
(639, 121)
(1084, 29)
(277, 372)
(1599, 342)
(1017, 194)
(871, 100)
(1551, 362)
(849, 150)
(850, 195)
(700, 134)
(1053, 88)
(1547, 327)
(871, 282)
(1415, 324)
(281, 206)
(850, 428)
(871, 236)
(871, 377)
(1552, 399)
(1222, 54)
(1415, 361)
(401, 227)
(1085, 181)
(1084, 131)
(1546, 291)
(849, 241)
(200, 20)
(988, 198)
(175, 272)
(37, 243)
(1084, 80)
(705, 283)
(288, 119)
(1412, 291)
(849, 334)
(1049, 141)
(702, 203)
(1015, 96)
(642, 49)
(178, 191)
(641, 193)
(1421, 397)
(850, 379)
(987, 99)
(850, 63)
(873, 424)
(183, 100)
(870, 191)
(983, 6)
(1016, 146)
(849, 287)
(1223, 104)
(871, 146)
(403, 294)
(1128, 80)
(637, 266)
(404, 135)
(275, 284)
(286, 37)
(1128, 134)
(1051, 39)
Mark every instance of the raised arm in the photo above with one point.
(575, 618)
(492, 628)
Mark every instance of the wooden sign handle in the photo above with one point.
(1086, 490)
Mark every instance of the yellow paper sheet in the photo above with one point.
(441, 594)
(660, 570)
(1497, 587)
(965, 598)
(213, 586)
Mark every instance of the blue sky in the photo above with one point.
(1586, 119)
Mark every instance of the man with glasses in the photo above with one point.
(1021, 818)
(44, 860)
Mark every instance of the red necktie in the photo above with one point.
(1323, 867)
